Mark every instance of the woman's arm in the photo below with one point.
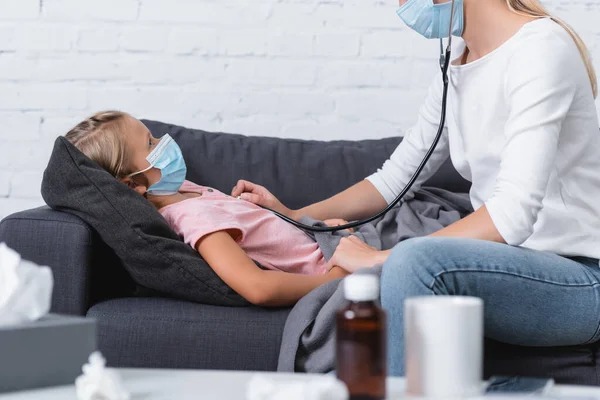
(359, 201)
(541, 88)
(259, 287)
(372, 195)
(352, 254)
(478, 225)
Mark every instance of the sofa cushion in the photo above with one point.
(150, 250)
(85, 269)
(162, 333)
(298, 172)
(572, 365)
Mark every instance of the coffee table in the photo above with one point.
(162, 384)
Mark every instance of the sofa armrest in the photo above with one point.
(64, 243)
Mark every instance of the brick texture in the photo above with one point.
(314, 69)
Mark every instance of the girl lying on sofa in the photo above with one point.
(229, 233)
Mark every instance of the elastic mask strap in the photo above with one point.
(140, 172)
(155, 154)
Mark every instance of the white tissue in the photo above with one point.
(98, 382)
(322, 388)
(25, 288)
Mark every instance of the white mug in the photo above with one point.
(444, 346)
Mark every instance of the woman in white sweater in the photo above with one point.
(523, 128)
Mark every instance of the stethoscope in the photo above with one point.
(444, 64)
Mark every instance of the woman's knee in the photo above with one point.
(421, 260)
(412, 259)
(418, 251)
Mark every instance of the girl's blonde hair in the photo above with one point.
(101, 138)
(533, 8)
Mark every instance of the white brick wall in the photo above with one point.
(291, 68)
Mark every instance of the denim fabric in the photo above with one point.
(531, 298)
(299, 172)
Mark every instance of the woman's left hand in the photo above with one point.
(353, 254)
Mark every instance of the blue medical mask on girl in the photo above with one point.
(167, 157)
(433, 20)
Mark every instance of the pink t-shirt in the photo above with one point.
(274, 243)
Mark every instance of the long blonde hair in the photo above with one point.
(101, 137)
(533, 8)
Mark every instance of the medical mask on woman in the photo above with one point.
(167, 157)
(433, 20)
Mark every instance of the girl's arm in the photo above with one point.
(259, 287)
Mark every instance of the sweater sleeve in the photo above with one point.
(393, 176)
(540, 89)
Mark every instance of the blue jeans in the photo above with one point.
(531, 298)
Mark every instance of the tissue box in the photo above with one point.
(47, 352)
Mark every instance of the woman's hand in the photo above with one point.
(352, 254)
(337, 222)
(261, 196)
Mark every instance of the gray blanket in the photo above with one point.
(309, 332)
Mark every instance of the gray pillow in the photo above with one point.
(150, 250)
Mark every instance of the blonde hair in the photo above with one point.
(101, 138)
(533, 8)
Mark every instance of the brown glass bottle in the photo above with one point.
(361, 340)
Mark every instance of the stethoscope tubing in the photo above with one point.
(445, 59)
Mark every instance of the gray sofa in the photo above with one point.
(138, 328)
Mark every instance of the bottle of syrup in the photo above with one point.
(361, 339)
